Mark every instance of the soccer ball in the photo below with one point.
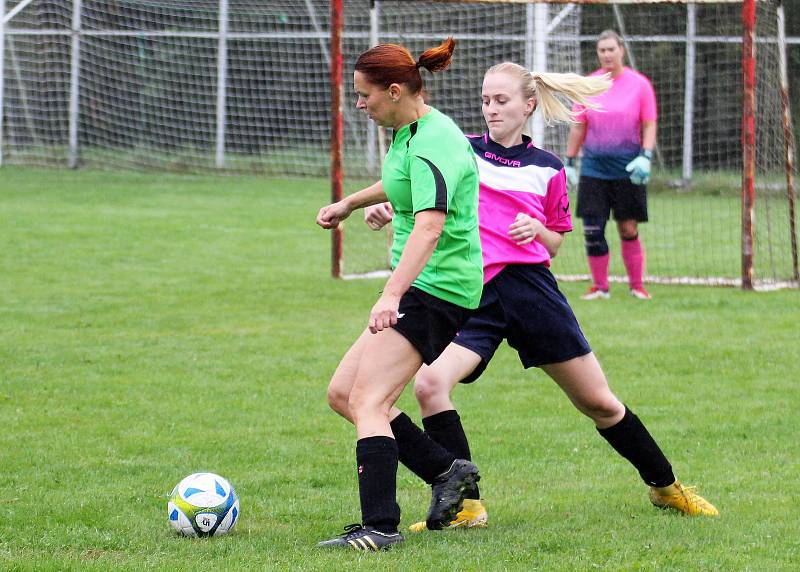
(203, 504)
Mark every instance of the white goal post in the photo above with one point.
(720, 114)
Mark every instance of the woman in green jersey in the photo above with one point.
(431, 179)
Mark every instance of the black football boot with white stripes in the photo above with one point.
(449, 490)
(365, 538)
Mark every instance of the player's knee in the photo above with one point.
(604, 410)
(628, 230)
(429, 387)
(594, 237)
(338, 400)
(363, 405)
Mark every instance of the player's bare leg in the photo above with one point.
(387, 363)
(435, 382)
(584, 382)
(432, 388)
(345, 376)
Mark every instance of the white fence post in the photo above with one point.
(222, 81)
(372, 127)
(688, 94)
(2, 71)
(529, 49)
(74, 84)
(539, 56)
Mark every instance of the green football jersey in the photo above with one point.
(431, 165)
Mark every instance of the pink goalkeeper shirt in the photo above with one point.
(614, 133)
(517, 179)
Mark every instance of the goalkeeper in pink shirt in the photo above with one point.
(618, 141)
(523, 213)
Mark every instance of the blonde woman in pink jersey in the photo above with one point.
(523, 215)
(617, 143)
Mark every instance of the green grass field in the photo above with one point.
(156, 325)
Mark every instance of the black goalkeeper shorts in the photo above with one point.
(599, 197)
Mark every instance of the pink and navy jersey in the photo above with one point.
(519, 179)
(614, 133)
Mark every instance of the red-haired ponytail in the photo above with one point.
(386, 64)
(437, 59)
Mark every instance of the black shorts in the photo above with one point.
(598, 197)
(428, 322)
(523, 305)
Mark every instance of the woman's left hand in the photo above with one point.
(384, 313)
(525, 229)
(378, 216)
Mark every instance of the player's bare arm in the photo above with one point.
(421, 243)
(330, 216)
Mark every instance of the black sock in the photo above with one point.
(377, 482)
(631, 439)
(445, 428)
(418, 451)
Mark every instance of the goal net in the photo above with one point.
(242, 86)
(236, 86)
(693, 56)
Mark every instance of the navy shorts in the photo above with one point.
(428, 322)
(598, 197)
(523, 305)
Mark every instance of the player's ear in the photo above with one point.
(530, 106)
(394, 92)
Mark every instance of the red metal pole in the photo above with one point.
(748, 139)
(337, 126)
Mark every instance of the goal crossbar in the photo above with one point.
(591, 1)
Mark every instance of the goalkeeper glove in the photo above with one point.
(639, 168)
(571, 171)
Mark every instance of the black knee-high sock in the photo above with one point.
(377, 482)
(631, 439)
(418, 451)
(445, 428)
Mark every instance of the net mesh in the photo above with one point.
(148, 90)
(148, 85)
(694, 234)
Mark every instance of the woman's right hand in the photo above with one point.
(384, 313)
(525, 229)
(378, 216)
(330, 216)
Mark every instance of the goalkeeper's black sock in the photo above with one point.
(631, 439)
(377, 482)
(422, 455)
(445, 428)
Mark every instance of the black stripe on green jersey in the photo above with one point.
(441, 186)
(413, 129)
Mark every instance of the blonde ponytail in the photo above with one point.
(577, 88)
(543, 88)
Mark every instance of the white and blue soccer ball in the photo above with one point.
(203, 504)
